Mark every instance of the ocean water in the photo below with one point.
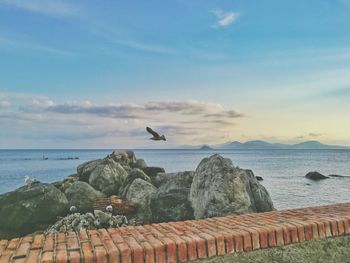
(283, 170)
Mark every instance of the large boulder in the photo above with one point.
(171, 201)
(108, 176)
(152, 172)
(140, 192)
(82, 196)
(29, 209)
(220, 189)
(140, 163)
(84, 170)
(133, 174)
(315, 176)
(126, 158)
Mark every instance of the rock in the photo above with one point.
(315, 176)
(108, 176)
(76, 222)
(220, 189)
(140, 163)
(84, 170)
(66, 183)
(26, 210)
(126, 158)
(171, 201)
(152, 172)
(161, 178)
(140, 192)
(133, 174)
(259, 178)
(82, 196)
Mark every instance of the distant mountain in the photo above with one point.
(205, 147)
(263, 145)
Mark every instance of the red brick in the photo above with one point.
(61, 253)
(47, 257)
(34, 256)
(49, 242)
(74, 257)
(38, 241)
(87, 253)
(158, 247)
(72, 243)
(136, 249)
(112, 250)
(181, 247)
(13, 244)
(149, 252)
(100, 254)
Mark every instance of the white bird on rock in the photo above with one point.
(28, 181)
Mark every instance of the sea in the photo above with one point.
(283, 171)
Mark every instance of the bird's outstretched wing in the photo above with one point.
(152, 132)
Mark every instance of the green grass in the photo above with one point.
(332, 250)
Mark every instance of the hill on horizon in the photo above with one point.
(263, 145)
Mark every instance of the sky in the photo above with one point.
(88, 74)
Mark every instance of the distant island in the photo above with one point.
(263, 145)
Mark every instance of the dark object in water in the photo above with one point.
(259, 178)
(315, 176)
(45, 158)
(337, 175)
(69, 158)
(156, 136)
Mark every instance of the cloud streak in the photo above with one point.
(181, 121)
(225, 18)
(53, 8)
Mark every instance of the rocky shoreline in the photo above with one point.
(215, 188)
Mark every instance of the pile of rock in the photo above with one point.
(216, 188)
(95, 220)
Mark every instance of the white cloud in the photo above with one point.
(4, 104)
(46, 7)
(145, 47)
(181, 121)
(225, 18)
(28, 45)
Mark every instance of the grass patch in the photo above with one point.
(332, 250)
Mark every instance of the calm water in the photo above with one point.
(283, 170)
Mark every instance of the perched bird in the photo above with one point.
(28, 181)
(156, 136)
(73, 209)
(109, 208)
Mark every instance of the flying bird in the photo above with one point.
(156, 136)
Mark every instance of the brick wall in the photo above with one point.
(182, 241)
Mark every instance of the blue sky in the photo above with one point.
(92, 75)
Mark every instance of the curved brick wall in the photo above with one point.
(182, 241)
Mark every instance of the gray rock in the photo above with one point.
(160, 179)
(29, 209)
(259, 178)
(171, 201)
(220, 189)
(316, 176)
(133, 174)
(140, 192)
(126, 158)
(108, 176)
(84, 170)
(152, 172)
(82, 196)
(140, 163)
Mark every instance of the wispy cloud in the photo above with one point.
(181, 121)
(48, 7)
(153, 48)
(225, 18)
(25, 44)
(4, 104)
